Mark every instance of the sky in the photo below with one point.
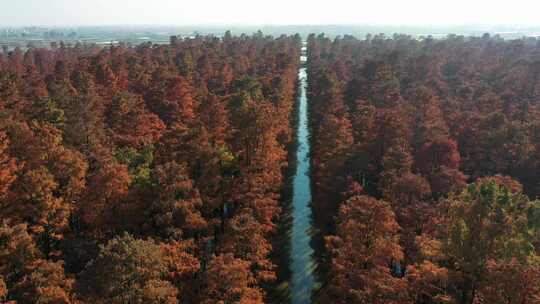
(269, 12)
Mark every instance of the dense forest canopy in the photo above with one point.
(426, 156)
(154, 173)
(147, 174)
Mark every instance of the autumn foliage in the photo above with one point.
(153, 173)
(425, 154)
(143, 174)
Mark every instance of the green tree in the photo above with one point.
(487, 221)
(129, 270)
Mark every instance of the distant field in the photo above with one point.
(43, 37)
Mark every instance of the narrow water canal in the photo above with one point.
(303, 262)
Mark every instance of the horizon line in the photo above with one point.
(233, 25)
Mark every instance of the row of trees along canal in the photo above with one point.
(144, 174)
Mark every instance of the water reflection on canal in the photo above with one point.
(302, 263)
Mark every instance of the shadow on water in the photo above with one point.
(279, 292)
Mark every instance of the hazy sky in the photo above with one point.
(181, 12)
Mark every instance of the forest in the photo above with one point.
(143, 174)
(155, 173)
(425, 161)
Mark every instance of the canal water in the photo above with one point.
(302, 262)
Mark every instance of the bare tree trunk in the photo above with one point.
(468, 291)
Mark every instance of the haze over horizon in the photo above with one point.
(277, 12)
